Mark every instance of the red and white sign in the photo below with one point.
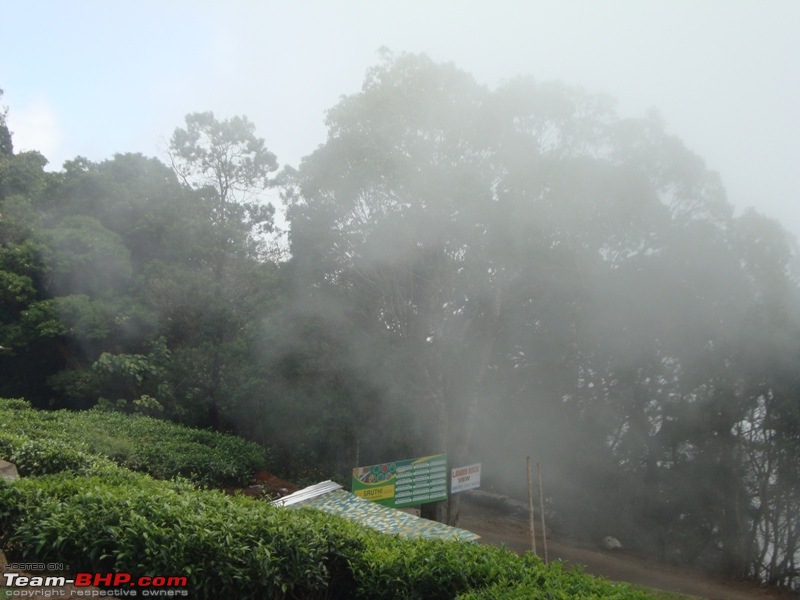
(465, 478)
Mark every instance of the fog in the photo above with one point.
(509, 234)
(530, 274)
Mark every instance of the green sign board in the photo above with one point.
(403, 482)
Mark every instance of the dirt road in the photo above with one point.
(496, 526)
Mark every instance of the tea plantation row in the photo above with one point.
(40, 442)
(99, 516)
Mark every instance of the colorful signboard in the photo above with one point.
(403, 482)
(465, 478)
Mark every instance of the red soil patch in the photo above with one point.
(266, 486)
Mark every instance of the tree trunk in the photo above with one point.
(218, 339)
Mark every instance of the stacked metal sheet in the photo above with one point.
(329, 497)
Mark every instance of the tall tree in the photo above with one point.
(528, 243)
(392, 212)
(227, 165)
(6, 144)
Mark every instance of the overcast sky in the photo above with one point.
(96, 78)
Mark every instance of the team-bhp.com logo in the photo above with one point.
(122, 584)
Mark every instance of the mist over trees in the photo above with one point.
(490, 273)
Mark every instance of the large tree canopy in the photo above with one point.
(552, 278)
(226, 161)
(227, 165)
(487, 272)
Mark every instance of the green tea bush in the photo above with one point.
(235, 547)
(8, 443)
(556, 583)
(225, 546)
(14, 403)
(81, 505)
(162, 449)
(436, 569)
(166, 450)
(30, 423)
(47, 456)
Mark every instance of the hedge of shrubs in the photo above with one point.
(111, 519)
(80, 505)
(41, 442)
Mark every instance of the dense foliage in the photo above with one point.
(491, 273)
(111, 519)
(40, 443)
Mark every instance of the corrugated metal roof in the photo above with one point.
(308, 493)
(329, 497)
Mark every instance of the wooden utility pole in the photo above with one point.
(541, 508)
(530, 508)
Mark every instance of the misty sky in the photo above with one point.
(95, 78)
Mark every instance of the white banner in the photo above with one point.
(465, 478)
